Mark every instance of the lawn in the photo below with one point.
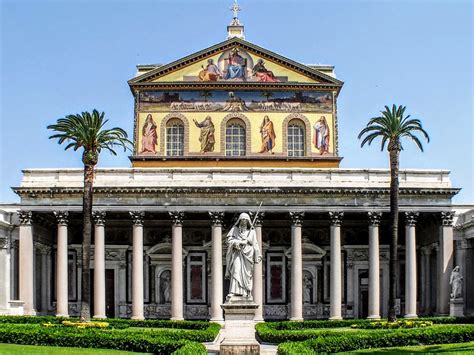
(438, 348)
(13, 349)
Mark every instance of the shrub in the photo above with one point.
(191, 348)
(365, 339)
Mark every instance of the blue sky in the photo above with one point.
(62, 57)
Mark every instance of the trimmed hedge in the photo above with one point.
(278, 332)
(161, 342)
(191, 348)
(365, 339)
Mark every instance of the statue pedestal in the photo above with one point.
(239, 327)
(456, 307)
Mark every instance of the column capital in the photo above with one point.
(43, 248)
(447, 218)
(177, 217)
(374, 218)
(297, 218)
(137, 217)
(257, 217)
(4, 242)
(62, 217)
(411, 218)
(99, 218)
(216, 218)
(336, 218)
(26, 217)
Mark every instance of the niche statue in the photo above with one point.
(455, 281)
(242, 253)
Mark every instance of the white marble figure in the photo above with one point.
(243, 252)
(166, 287)
(455, 281)
(308, 287)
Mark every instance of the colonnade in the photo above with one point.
(26, 268)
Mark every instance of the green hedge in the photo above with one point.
(365, 339)
(278, 332)
(191, 348)
(162, 342)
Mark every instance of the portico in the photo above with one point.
(303, 244)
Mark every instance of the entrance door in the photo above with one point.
(110, 293)
(363, 294)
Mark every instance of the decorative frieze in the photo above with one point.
(258, 218)
(99, 218)
(177, 217)
(297, 218)
(43, 249)
(411, 218)
(216, 218)
(137, 217)
(62, 217)
(374, 218)
(26, 217)
(336, 218)
(447, 218)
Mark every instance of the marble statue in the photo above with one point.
(166, 287)
(455, 281)
(243, 252)
(308, 288)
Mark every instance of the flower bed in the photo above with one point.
(405, 323)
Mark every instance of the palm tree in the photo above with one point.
(86, 131)
(267, 94)
(392, 126)
(206, 94)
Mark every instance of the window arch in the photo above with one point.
(235, 138)
(296, 138)
(174, 134)
(174, 137)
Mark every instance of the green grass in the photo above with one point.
(13, 349)
(438, 348)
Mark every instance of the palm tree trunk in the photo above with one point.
(86, 241)
(394, 191)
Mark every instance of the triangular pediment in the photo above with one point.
(233, 61)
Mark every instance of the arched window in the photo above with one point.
(296, 141)
(174, 137)
(235, 138)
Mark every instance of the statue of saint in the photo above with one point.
(243, 252)
(207, 134)
(165, 287)
(455, 281)
(308, 288)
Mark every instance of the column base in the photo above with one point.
(176, 318)
(258, 320)
(374, 317)
(100, 317)
(335, 318)
(410, 316)
(217, 320)
(137, 317)
(62, 315)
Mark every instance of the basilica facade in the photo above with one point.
(232, 128)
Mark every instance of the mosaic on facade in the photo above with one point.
(220, 100)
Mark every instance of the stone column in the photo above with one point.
(296, 267)
(445, 265)
(426, 279)
(5, 262)
(99, 264)
(137, 264)
(258, 269)
(45, 252)
(335, 290)
(374, 265)
(177, 265)
(26, 267)
(410, 264)
(216, 272)
(62, 299)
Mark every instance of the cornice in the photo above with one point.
(31, 192)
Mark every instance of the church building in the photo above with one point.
(233, 128)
